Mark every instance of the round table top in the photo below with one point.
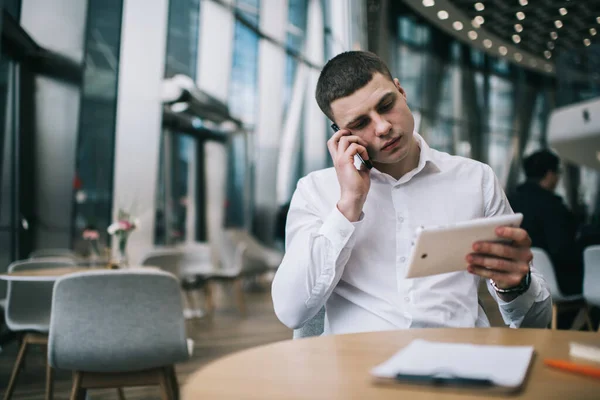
(337, 367)
(45, 274)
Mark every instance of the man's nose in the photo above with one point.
(382, 126)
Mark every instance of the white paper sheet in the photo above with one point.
(503, 365)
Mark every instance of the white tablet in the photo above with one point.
(443, 249)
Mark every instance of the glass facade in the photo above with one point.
(243, 105)
(466, 99)
(178, 150)
(95, 149)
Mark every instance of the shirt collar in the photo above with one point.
(426, 159)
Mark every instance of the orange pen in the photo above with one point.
(575, 368)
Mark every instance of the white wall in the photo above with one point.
(139, 117)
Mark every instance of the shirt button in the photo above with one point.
(343, 232)
(402, 259)
(406, 299)
(401, 219)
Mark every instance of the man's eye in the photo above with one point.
(386, 107)
(360, 124)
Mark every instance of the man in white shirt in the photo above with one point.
(349, 231)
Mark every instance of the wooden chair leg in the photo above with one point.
(76, 388)
(554, 316)
(49, 382)
(174, 382)
(165, 388)
(588, 320)
(208, 297)
(121, 394)
(16, 369)
(238, 286)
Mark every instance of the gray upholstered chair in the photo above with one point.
(313, 327)
(28, 313)
(171, 260)
(118, 328)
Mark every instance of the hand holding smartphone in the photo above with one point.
(366, 163)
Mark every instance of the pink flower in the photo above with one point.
(91, 234)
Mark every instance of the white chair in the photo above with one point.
(560, 302)
(28, 313)
(591, 280)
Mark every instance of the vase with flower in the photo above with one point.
(121, 229)
(92, 236)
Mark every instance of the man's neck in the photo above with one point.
(402, 167)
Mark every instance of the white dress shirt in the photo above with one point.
(357, 269)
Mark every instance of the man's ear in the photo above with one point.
(400, 88)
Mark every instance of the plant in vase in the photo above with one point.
(92, 236)
(121, 229)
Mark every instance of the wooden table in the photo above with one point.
(337, 367)
(46, 274)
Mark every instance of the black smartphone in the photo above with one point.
(366, 163)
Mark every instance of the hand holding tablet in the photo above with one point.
(440, 250)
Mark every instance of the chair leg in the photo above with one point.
(165, 388)
(588, 320)
(208, 297)
(49, 382)
(554, 316)
(16, 369)
(174, 383)
(76, 388)
(121, 394)
(238, 286)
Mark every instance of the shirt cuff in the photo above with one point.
(514, 311)
(338, 230)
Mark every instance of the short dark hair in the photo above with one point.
(538, 164)
(344, 74)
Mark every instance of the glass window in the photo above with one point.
(412, 32)
(295, 40)
(95, 149)
(243, 98)
(182, 38)
(501, 98)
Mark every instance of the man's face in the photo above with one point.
(378, 113)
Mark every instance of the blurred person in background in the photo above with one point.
(551, 225)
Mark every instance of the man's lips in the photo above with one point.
(390, 143)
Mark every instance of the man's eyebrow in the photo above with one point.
(387, 97)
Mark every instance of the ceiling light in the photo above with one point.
(519, 28)
(475, 24)
(523, 2)
(551, 45)
(503, 50)
(428, 3)
(598, 20)
(593, 31)
(547, 54)
(519, 57)
(554, 35)
(443, 14)
(562, 11)
(479, 19)
(457, 25)
(558, 23)
(520, 15)
(516, 38)
(587, 41)
(472, 35)
(487, 43)
(479, 6)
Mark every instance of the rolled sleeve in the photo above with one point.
(513, 312)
